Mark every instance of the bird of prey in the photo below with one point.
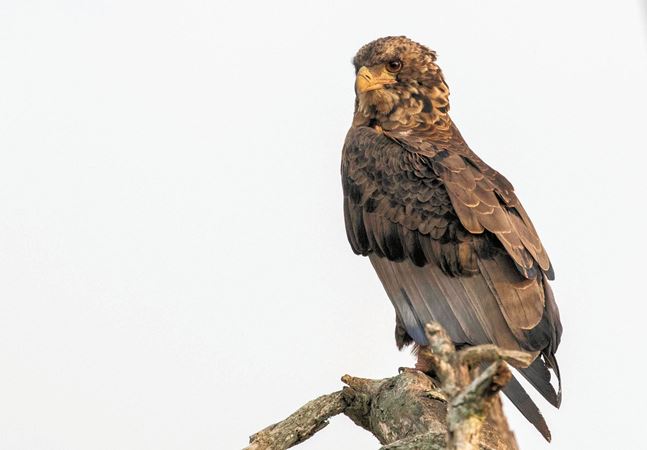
(445, 232)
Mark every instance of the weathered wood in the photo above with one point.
(457, 409)
(467, 410)
(299, 426)
(399, 408)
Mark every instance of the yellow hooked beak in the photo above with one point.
(374, 78)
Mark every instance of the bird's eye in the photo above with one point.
(394, 66)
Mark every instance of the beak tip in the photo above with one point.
(366, 81)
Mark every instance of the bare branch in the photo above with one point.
(301, 425)
(439, 341)
(440, 353)
(426, 441)
(491, 353)
(412, 410)
(467, 411)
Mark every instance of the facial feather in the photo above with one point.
(419, 97)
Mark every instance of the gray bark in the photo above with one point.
(459, 409)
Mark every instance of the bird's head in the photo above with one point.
(399, 86)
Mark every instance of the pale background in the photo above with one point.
(174, 272)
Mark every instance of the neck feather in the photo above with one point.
(418, 108)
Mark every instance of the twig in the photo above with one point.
(491, 353)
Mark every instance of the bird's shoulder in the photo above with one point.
(482, 198)
(438, 186)
(383, 178)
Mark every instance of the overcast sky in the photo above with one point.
(174, 271)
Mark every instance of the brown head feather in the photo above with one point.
(419, 99)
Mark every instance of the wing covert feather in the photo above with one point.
(482, 199)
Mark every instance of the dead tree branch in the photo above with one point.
(458, 409)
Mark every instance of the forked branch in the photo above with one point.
(456, 409)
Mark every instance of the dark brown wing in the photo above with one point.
(433, 205)
(482, 198)
(450, 243)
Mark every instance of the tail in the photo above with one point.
(545, 337)
(548, 331)
(520, 398)
(538, 376)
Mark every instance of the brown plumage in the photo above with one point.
(445, 233)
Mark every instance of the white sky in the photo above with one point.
(174, 272)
